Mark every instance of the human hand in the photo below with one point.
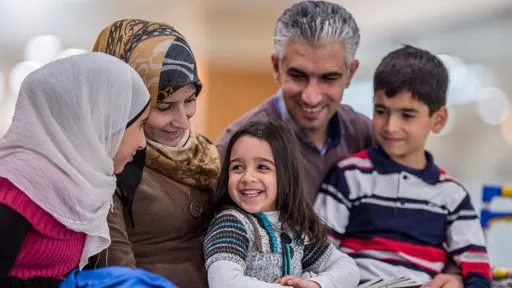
(297, 282)
(445, 281)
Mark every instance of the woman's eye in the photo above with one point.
(165, 106)
(191, 99)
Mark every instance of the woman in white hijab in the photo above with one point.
(77, 121)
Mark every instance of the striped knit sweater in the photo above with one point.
(49, 250)
(394, 220)
(248, 240)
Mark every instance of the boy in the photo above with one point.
(390, 207)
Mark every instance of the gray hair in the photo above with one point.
(317, 22)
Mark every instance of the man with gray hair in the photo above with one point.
(315, 43)
(314, 48)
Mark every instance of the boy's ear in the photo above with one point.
(439, 120)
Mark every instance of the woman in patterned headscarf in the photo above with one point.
(163, 202)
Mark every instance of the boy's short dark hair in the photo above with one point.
(414, 70)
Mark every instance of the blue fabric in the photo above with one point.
(122, 277)
(287, 259)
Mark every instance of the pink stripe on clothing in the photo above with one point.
(49, 249)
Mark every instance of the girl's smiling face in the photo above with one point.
(252, 175)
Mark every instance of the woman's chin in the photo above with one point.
(169, 141)
(119, 169)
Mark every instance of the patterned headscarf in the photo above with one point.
(164, 60)
(158, 52)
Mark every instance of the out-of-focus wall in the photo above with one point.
(234, 91)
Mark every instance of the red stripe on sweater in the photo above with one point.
(49, 248)
(481, 268)
(427, 253)
(362, 155)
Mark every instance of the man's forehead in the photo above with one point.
(317, 59)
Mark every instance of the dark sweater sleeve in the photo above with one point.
(37, 282)
(13, 230)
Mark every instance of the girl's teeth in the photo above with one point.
(251, 192)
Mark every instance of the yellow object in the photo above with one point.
(500, 219)
(501, 273)
(506, 191)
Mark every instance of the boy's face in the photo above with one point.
(401, 125)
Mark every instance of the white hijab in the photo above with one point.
(68, 123)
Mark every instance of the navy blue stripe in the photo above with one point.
(465, 204)
(385, 165)
(407, 265)
(391, 235)
(467, 248)
(333, 195)
(409, 225)
(401, 200)
(460, 218)
(336, 179)
(477, 280)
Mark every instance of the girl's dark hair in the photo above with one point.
(295, 211)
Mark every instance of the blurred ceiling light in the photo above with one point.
(452, 118)
(19, 72)
(493, 105)
(458, 76)
(70, 52)
(42, 48)
(458, 87)
(466, 83)
(485, 76)
(2, 87)
(451, 62)
(506, 129)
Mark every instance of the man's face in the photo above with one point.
(313, 79)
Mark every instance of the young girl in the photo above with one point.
(267, 234)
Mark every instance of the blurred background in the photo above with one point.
(232, 40)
